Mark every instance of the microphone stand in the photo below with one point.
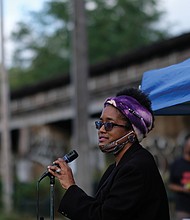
(52, 183)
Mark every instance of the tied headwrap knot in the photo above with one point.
(140, 118)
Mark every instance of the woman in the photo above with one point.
(131, 188)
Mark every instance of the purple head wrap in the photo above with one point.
(140, 118)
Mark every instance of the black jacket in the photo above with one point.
(132, 190)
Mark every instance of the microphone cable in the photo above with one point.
(38, 202)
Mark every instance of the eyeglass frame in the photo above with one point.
(99, 124)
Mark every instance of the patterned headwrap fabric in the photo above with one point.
(140, 118)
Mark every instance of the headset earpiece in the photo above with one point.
(132, 138)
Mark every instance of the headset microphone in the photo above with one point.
(116, 146)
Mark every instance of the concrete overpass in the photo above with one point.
(51, 101)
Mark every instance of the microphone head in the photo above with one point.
(70, 156)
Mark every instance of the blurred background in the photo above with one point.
(59, 61)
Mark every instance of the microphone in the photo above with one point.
(69, 157)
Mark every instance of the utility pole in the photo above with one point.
(79, 76)
(6, 156)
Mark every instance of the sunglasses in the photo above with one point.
(107, 125)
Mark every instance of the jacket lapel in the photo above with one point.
(108, 177)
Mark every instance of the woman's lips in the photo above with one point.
(102, 139)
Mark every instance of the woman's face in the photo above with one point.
(111, 114)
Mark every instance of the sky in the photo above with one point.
(177, 16)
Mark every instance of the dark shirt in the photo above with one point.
(180, 175)
(132, 190)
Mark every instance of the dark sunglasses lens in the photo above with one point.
(108, 126)
(98, 124)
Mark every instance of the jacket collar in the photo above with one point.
(127, 155)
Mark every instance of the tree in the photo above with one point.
(42, 45)
(114, 27)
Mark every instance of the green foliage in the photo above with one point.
(25, 196)
(25, 200)
(118, 26)
(114, 27)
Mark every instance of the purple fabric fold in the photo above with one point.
(140, 118)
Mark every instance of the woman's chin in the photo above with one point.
(101, 145)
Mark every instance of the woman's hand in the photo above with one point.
(63, 172)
